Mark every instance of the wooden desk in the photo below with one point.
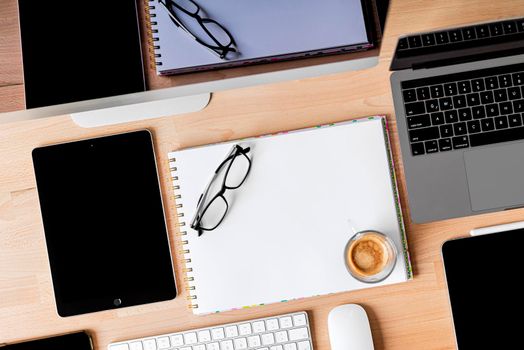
(411, 315)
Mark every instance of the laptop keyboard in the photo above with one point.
(467, 109)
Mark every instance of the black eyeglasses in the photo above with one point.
(210, 34)
(212, 206)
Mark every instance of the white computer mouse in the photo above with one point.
(349, 328)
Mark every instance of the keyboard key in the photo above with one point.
(244, 329)
(119, 347)
(281, 336)
(487, 124)
(410, 95)
(403, 44)
(464, 87)
(137, 345)
(444, 145)
(259, 327)
(495, 29)
(486, 97)
(204, 336)
(514, 93)
(518, 106)
(416, 149)
(506, 108)
(455, 35)
(445, 103)
(446, 130)
(276, 347)
(451, 116)
(286, 322)
(501, 122)
(518, 78)
(218, 333)
(450, 89)
(428, 39)
(272, 324)
(520, 25)
(514, 120)
(477, 85)
(240, 343)
(473, 99)
(469, 33)
(191, 338)
(473, 126)
(414, 41)
(460, 129)
(162, 343)
(491, 83)
(464, 114)
(460, 142)
(304, 345)
(290, 346)
(437, 118)
(423, 93)
(478, 112)
(198, 347)
(299, 320)
(177, 340)
(149, 344)
(268, 339)
(231, 331)
(509, 27)
(492, 110)
(505, 135)
(500, 95)
(212, 346)
(299, 333)
(228, 345)
(437, 91)
(253, 341)
(442, 38)
(431, 147)
(459, 101)
(432, 106)
(482, 31)
(415, 108)
(505, 80)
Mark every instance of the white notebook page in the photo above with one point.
(287, 226)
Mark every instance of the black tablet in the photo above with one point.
(104, 223)
(485, 289)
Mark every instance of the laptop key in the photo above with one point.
(415, 108)
(450, 89)
(417, 148)
(473, 126)
(459, 101)
(514, 93)
(482, 31)
(509, 27)
(505, 80)
(469, 33)
(473, 99)
(455, 35)
(437, 91)
(518, 78)
(442, 38)
(432, 106)
(409, 95)
(424, 134)
(423, 93)
(486, 97)
(403, 44)
(444, 145)
(431, 146)
(500, 95)
(464, 87)
(514, 120)
(451, 116)
(437, 118)
(460, 128)
(464, 114)
(495, 29)
(491, 83)
(506, 108)
(477, 85)
(501, 122)
(418, 121)
(518, 106)
(445, 103)
(460, 142)
(487, 124)
(478, 112)
(505, 135)
(446, 130)
(492, 110)
(414, 41)
(520, 25)
(428, 39)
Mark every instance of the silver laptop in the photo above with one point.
(459, 104)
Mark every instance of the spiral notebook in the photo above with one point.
(263, 30)
(287, 226)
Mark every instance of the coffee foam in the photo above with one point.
(368, 255)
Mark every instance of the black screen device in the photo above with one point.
(72, 341)
(104, 223)
(75, 51)
(484, 274)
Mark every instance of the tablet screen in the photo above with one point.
(104, 223)
(483, 275)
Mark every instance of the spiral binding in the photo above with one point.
(152, 39)
(182, 234)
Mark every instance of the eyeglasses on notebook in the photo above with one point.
(209, 33)
(212, 206)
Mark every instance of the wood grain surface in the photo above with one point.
(412, 315)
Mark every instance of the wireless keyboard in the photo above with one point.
(283, 332)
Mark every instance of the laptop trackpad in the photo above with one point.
(496, 176)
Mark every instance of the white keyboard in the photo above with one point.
(283, 332)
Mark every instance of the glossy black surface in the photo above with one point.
(76, 341)
(104, 223)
